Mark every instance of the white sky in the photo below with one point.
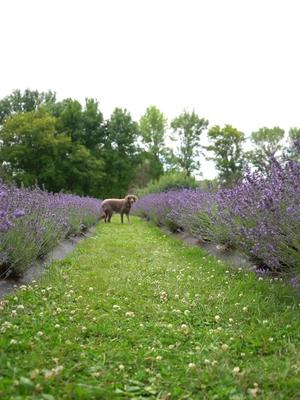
(233, 61)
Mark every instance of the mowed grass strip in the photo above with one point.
(133, 313)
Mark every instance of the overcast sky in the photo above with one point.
(233, 61)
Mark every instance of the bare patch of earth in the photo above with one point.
(223, 253)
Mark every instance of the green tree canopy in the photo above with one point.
(152, 126)
(120, 153)
(290, 150)
(228, 153)
(267, 144)
(33, 152)
(21, 102)
(187, 131)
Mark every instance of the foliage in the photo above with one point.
(33, 221)
(28, 101)
(228, 153)
(120, 153)
(267, 142)
(152, 127)
(187, 130)
(259, 216)
(168, 181)
(290, 150)
(112, 320)
(33, 152)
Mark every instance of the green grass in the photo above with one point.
(133, 313)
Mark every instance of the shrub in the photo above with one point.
(169, 181)
(260, 216)
(33, 221)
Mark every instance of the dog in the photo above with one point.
(121, 206)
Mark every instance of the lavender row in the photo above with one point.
(33, 221)
(260, 216)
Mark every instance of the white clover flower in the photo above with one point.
(217, 318)
(158, 358)
(231, 320)
(121, 366)
(13, 341)
(40, 333)
(129, 314)
(271, 339)
(56, 326)
(20, 307)
(83, 328)
(91, 289)
(236, 370)
(192, 365)
(116, 307)
(186, 312)
(245, 308)
(225, 347)
(13, 312)
(176, 296)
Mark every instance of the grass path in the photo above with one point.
(132, 313)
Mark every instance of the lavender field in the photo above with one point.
(33, 221)
(260, 216)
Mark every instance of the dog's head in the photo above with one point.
(131, 198)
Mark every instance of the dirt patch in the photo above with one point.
(223, 253)
(38, 268)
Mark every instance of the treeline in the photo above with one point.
(62, 145)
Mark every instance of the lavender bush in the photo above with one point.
(33, 221)
(260, 216)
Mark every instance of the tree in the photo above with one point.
(187, 129)
(291, 150)
(33, 152)
(267, 145)
(29, 100)
(120, 153)
(69, 119)
(29, 148)
(228, 153)
(152, 128)
(82, 125)
(92, 121)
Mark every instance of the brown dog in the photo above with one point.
(121, 206)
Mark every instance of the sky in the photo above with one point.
(233, 61)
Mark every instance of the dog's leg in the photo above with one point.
(110, 213)
(127, 215)
(122, 214)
